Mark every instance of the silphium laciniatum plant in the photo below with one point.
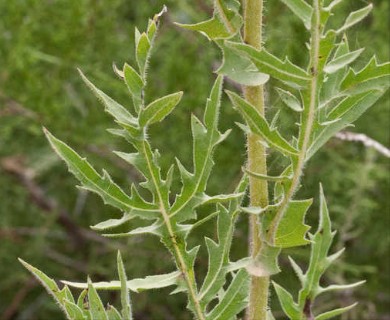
(328, 95)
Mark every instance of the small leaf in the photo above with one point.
(267, 63)
(205, 138)
(289, 307)
(342, 61)
(340, 287)
(112, 223)
(111, 106)
(125, 297)
(240, 69)
(112, 313)
(224, 24)
(103, 185)
(159, 109)
(135, 84)
(259, 125)
(352, 108)
(48, 283)
(234, 300)
(290, 100)
(270, 316)
(373, 76)
(297, 269)
(96, 307)
(74, 311)
(334, 313)
(142, 53)
(136, 285)
(301, 9)
(266, 177)
(355, 17)
(81, 299)
(153, 229)
(265, 263)
(218, 257)
(291, 231)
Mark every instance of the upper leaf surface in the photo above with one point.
(96, 307)
(159, 109)
(111, 106)
(125, 297)
(259, 125)
(234, 299)
(205, 138)
(373, 76)
(301, 9)
(291, 231)
(136, 285)
(103, 185)
(268, 63)
(355, 17)
(342, 61)
(240, 69)
(225, 22)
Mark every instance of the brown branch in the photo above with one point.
(15, 165)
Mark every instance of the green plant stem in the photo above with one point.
(180, 261)
(257, 163)
(307, 120)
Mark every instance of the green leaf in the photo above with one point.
(103, 185)
(259, 125)
(266, 262)
(142, 53)
(82, 299)
(135, 84)
(289, 307)
(136, 285)
(270, 316)
(351, 108)
(301, 9)
(153, 229)
(319, 262)
(49, 284)
(125, 297)
(372, 76)
(342, 61)
(267, 63)
(290, 100)
(112, 223)
(297, 269)
(224, 24)
(334, 313)
(355, 17)
(96, 307)
(266, 177)
(120, 114)
(291, 231)
(205, 138)
(218, 254)
(240, 69)
(234, 300)
(159, 109)
(112, 313)
(74, 311)
(340, 287)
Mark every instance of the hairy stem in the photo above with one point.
(307, 120)
(180, 261)
(259, 287)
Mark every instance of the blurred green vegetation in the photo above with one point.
(44, 219)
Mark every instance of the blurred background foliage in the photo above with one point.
(44, 219)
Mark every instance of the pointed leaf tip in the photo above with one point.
(157, 110)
